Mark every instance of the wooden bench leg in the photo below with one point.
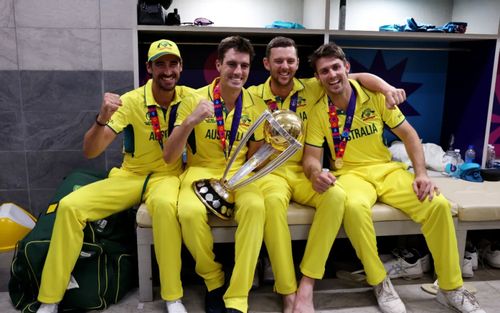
(144, 242)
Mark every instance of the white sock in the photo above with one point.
(47, 308)
(175, 306)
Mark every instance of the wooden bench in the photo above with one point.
(387, 220)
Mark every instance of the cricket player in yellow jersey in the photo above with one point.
(351, 119)
(209, 146)
(282, 91)
(144, 115)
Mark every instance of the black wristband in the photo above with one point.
(97, 121)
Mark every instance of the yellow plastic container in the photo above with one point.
(15, 223)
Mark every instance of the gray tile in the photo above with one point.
(118, 13)
(117, 144)
(118, 82)
(117, 49)
(69, 91)
(114, 158)
(59, 49)
(17, 196)
(7, 13)
(11, 131)
(13, 173)
(10, 91)
(6, 304)
(59, 14)
(47, 168)
(56, 131)
(5, 261)
(40, 199)
(8, 49)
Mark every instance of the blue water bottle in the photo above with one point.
(470, 154)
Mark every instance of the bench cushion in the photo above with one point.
(297, 215)
(476, 201)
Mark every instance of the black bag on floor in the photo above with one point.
(105, 271)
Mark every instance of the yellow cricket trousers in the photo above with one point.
(250, 216)
(290, 183)
(391, 183)
(121, 190)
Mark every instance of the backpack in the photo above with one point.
(105, 270)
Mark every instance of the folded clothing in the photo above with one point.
(412, 26)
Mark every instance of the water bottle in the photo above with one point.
(470, 154)
(490, 156)
(460, 161)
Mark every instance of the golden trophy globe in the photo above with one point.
(283, 130)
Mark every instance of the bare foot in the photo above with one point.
(304, 297)
(288, 301)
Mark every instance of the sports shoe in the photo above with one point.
(471, 252)
(175, 306)
(473, 259)
(467, 268)
(404, 263)
(267, 271)
(387, 297)
(48, 308)
(459, 300)
(214, 303)
(492, 255)
(426, 263)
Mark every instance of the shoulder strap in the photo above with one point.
(171, 118)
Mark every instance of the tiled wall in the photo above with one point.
(57, 58)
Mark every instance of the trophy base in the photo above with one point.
(216, 198)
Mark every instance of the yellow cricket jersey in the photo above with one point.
(365, 144)
(308, 90)
(204, 145)
(142, 152)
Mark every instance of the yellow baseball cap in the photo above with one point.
(162, 47)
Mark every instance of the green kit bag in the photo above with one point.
(105, 270)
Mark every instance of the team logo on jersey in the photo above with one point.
(245, 120)
(148, 120)
(367, 114)
(301, 102)
(210, 119)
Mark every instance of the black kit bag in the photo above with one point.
(105, 270)
(150, 12)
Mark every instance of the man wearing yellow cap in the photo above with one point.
(145, 116)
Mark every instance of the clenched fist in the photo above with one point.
(204, 109)
(110, 103)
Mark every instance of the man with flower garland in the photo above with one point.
(351, 120)
(211, 123)
(282, 91)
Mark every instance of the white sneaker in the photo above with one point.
(459, 300)
(387, 297)
(467, 268)
(471, 252)
(425, 261)
(398, 267)
(175, 306)
(48, 308)
(492, 257)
